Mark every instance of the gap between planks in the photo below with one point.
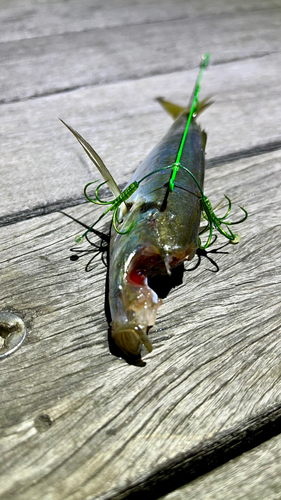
(42, 164)
(254, 475)
(214, 371)
(28, 19)
(66, 61)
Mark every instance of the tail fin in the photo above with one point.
(175, 110)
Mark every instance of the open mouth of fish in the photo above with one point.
(140, 301)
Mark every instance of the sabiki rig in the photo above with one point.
(156, 221)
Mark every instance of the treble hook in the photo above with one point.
(212, 218)
(114, 205)
(216, 221)
(208, 211)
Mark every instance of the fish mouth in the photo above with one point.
(130, 340)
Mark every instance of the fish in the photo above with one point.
(164, 233)
(156, 222)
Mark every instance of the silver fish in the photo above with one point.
(156, 227)
(164, 234)
(156, 222)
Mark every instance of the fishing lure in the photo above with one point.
(156, 221)
(207, 209)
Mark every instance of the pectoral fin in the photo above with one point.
(96, 159)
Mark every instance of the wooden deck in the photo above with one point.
(76, 422)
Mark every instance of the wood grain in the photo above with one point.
(29, 19)
(252, 476)
(42, 167)
(77, 423)
(60, 63)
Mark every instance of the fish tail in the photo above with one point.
(174, 110)
(202, 105)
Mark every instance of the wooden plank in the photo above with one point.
(252, 476)
(78, 423)
(93, 57)
(42, 167)
(28, 19)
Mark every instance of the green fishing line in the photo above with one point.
(207, 209)
(203, 66)
(115, 204)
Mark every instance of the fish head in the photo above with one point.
(153, 246)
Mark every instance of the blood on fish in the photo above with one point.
(136, 276)
(141, 267)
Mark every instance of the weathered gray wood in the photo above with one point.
(252, 476)
(93, 57)
(77, 423)
(41, 163)
(29, 18)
